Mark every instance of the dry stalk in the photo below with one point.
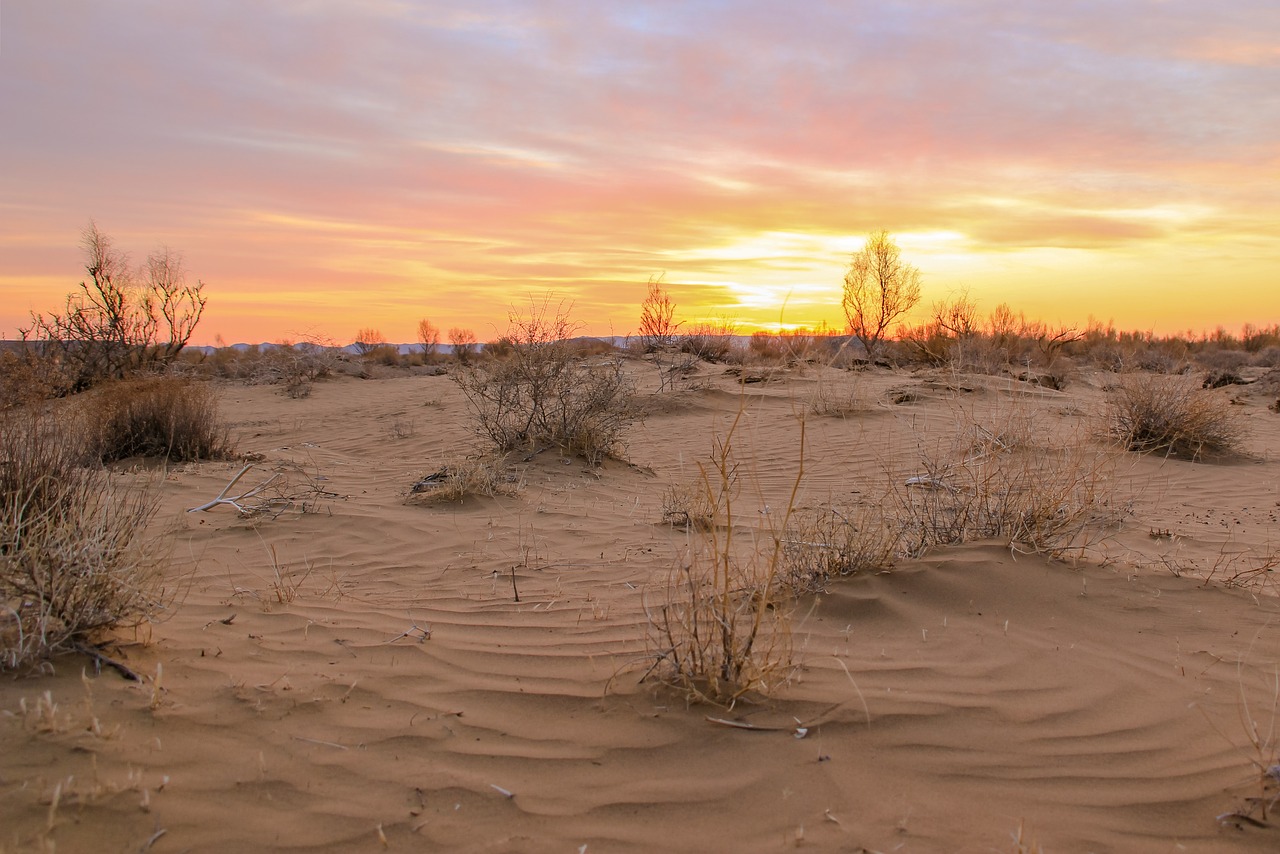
(723, 627)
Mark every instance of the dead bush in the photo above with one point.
(168, 417)
(73, 559)
(1172, 415)
(542, 395)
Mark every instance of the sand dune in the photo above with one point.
(362, 677)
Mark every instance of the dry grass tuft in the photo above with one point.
(830, 542)
(168, 417)
(73, 559)
(1040, 493)
(1172, 414)
(486, 476)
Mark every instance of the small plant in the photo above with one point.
(168, 417)
(1173, 415)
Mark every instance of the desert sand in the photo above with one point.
(361, 676)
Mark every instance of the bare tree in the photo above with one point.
(879, 287)
(172, 305)
(428, 336)
(463, 342)
(657, 313)
(368, 340)
(120, 322)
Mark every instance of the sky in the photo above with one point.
(328, 166)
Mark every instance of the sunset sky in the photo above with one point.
(326, 166)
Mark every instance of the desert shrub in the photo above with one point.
(711, 342)
(385, 354)
(542, 395)
(1267, 357)
(1172, 415)
(1222, 360)
(485, 476)
(1009, 479)
(691, 506)
(1042, 500)
(723, 628)
(73, 559)
(829, 542)
(165, 417)
(26, 377)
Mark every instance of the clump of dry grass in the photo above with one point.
(723, 626)
(834, 541)
(73, 558)
(690, 505)
(1014, 481)
(168, 417)
(1171, 414)
(485, 476)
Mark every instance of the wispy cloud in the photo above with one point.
(425, 158)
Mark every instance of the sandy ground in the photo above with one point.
(361, 677)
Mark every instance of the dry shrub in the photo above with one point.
(839, 396)
(485, 476)
(168, 417)
(710, 341)
(542, 395)
(1171, 415)
(830, 542)
(723, 627)
(73, 560)
(1041, 493)
(27, 378)
(1009, 480)
(689, 505)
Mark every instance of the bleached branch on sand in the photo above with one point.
(236, 501)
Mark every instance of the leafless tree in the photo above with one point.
(368, 340)
(879, 287)
(463, 342)
(657, 318)
(428, 336)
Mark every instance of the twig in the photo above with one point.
(222, 496)
(322, 743)
(101, 658)
(151, 840)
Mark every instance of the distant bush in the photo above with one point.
(541, 394)
(1171, 414)
(165, 417)
(712, 342)
(73, 560)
